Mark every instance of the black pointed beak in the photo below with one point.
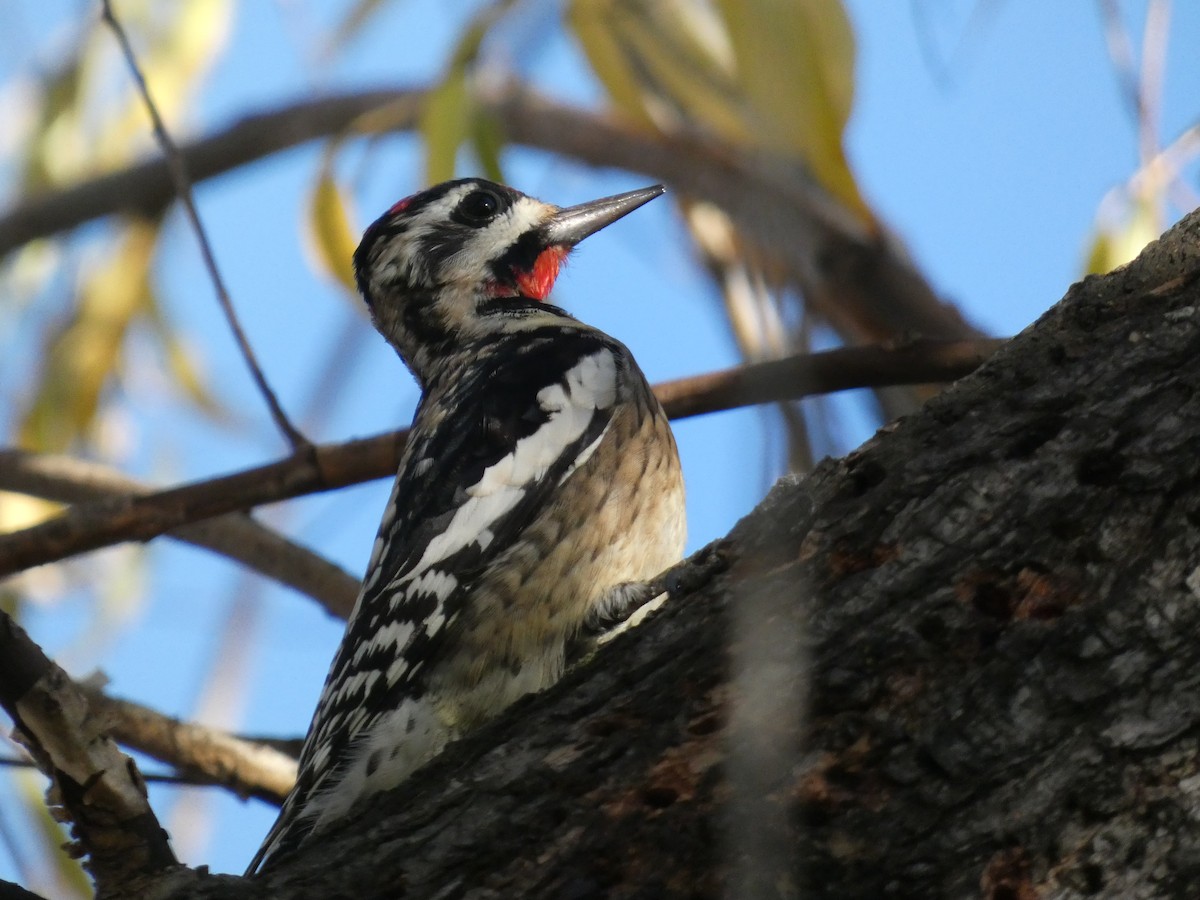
(571, 225)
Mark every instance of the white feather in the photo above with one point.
(591, 385)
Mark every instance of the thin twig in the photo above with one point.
(13, 762)
(183, 188)
(94, 525)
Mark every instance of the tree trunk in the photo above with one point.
(961, 662)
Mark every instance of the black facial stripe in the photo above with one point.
(383, 227)
(520, 256)
(391, 224)
(513, 306)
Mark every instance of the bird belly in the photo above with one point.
(606, 529)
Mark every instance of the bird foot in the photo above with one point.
(628, 605)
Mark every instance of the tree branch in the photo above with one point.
(321, 468)
(145, 188)
(249, 768)
(98, 787)
(235, 535)
(851, 271)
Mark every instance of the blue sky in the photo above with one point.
(988, 155)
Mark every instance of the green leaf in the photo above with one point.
(445, 122)
(447, 119)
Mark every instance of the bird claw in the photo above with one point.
(699, 569)
(617, 609)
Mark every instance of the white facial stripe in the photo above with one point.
(484, 244)
(492, 241)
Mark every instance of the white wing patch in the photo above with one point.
(591, 384)
(382, 756)
(394, 634)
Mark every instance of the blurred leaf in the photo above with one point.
(79, 129)
(54, 129)
(449, 112)
(85, 352)
(182, 366)
(795, 67)
(767, 75)
(19, 511)
(176, 43)
(487, 140)
(1117, 243)
(592, 22)
(91, 119)
(332, 236)
(68, 873)
(445, 121)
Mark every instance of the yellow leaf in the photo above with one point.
(86, 351)
(591, 22)
(332, 236)
(795, 68)
(19, 511)
(774, 76)
(682, 69)
(1118, 242)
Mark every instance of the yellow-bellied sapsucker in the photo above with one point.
(539, 489)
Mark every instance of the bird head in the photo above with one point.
(467, 259)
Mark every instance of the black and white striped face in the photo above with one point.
(469, 258)
(429, 264)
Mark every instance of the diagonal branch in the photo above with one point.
(201, 756)
(183, 188)
(145, 188)
(322, 468)
(235, 535)
(248, 767)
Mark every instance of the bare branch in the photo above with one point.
(236, 535)
(854, 273)
(183, 188)
(322, 468)
(207, 755)
(145, 188)
(13, 762)
(98, 787)
(264, 768)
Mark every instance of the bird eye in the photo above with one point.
(479, 207)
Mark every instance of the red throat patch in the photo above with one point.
(539, 279)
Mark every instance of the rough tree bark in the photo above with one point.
(996, 602)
